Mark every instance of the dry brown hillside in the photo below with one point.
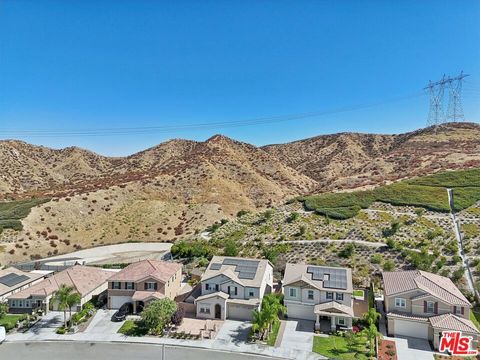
(351, 160)
(179, 187)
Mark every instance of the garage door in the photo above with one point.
(239, 312)
(117, 301)
(296, 311)
(411, 329)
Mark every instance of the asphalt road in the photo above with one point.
(110, 351)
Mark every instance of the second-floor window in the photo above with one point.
(458, 310)
(430, 307)
(329, 296)
(400, 303)
(207, 287)
(150, 286)
(339, 296)
(116, 285)
(251, 293)
(293, 292)
(310, 295)
(129, 285)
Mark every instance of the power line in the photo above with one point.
(199, 126)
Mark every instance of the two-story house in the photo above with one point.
(231, 288)
(142, 282)
(319, 293)
(422, 305)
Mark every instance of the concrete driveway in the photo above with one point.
(233, 332)
(298, 334)
(412, 348)
(45, 328)
(102, 326)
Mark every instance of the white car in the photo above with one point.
(2, 334)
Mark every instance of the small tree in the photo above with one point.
(3, 309)
(177, 317)
(388, 265)
(371, 333)
(73, 299)
(158, 314)
(371, 316)
(231, 248)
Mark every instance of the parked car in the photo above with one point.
(122, 313)
(3, 334)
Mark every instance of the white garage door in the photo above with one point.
(411, 329)
(239, 312)
(117, 301)
(296, 311)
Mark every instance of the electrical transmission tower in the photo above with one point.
(455, 108)
(436, 115)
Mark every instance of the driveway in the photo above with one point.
(298, 334)
(45, 328)
(102, 326)
(233, 332)
(412, 348)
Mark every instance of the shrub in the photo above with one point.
(388, 265)
(157, 314)
(177, 317)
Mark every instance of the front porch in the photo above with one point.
(333, 316)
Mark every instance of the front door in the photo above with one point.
(218, 311)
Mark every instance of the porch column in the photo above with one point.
(317, 323)
(134, 307)
(333, 325)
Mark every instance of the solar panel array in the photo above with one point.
(12, 279)
(337, 278)
(215, 266)
(246, 268)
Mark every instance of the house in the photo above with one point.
(319, 293)
(87, 281)
(422, 305)
(231, 288)
(13, 280)
(142, 282)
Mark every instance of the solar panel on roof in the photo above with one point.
(215, 266)
(247, 269)
(13, 279)
(336, 279)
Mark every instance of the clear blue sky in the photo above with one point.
(108, 64)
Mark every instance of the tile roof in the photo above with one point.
(84, 279)
(4, 289)
(208, 296)
(229, 270)
(407, 316)
(438, 286)
(298, 272)
(144, 295)
(159, 270)
(332, 307)
(453, 322)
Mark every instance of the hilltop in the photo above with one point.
(179, 187)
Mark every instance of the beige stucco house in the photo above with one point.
(422, 305)
(231, 288)
(144, 281)
(319, 293)
(87, 281)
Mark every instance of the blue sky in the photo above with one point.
(116, 64)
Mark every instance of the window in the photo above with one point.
(400, 303)
(430, 307)
(251, 293)
(339, 296)
(116, 285)
(329, 295)
(27, 303)
(20, 303)
(205, 309)
(293, 292)
(150, 286)
(217, 287)
(232, 290)
(129, 285)
(13, 303)
(207, 287)
(310, 295)
(341, 321)
(458, 310)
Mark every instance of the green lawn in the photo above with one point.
(9, 321)
(427, 191)
(272, 337)
(132, 328)
(475, 316)
(335, 347)
(359, 293)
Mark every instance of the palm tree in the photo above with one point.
(73, 299)
(259, 323)
(64, 296)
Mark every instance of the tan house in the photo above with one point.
(422, 305)
(13, 280)
(319, 293)
(87, 281)
(142, 282)
(231, 288)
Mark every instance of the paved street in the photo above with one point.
(106, 351)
